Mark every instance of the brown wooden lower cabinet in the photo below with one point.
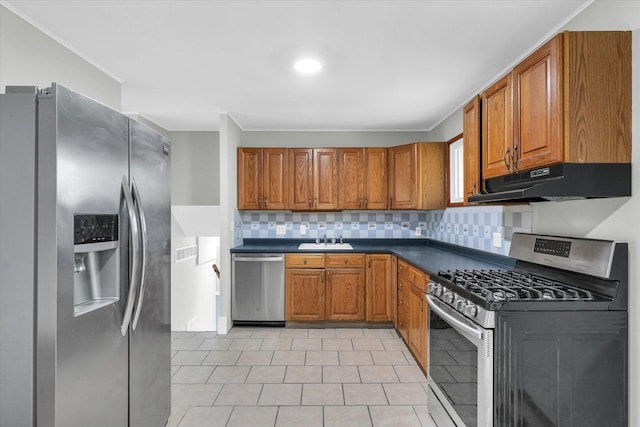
(340, 287)
(412, 323)
(345, 294)
(379, 288)
(403, 309)
(305, 294)
(418, 326)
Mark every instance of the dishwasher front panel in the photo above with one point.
(258, 288)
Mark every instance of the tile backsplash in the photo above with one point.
(472, 226)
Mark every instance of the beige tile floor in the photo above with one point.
(295, 377)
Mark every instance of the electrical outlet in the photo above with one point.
(418, 231)
(497, 240)
(303, 229)
(281, 229)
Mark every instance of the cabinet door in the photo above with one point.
(305, 295)
(537, 108)
(375, 178)
(471, 148)
(378, 288)
(432, 184)
(345, 294)
(351, 174)
(403, 308)
(497, 129)
(300, 178)
(274, 178)
(393, 280)
(249, 178)
(402, 177)
(417, 325)
(325, 174)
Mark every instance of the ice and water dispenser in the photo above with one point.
(96, 262)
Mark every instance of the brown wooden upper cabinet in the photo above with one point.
(417, 176)
(262, 178)
(313, 181)
(471, 148)
(362, 178)
(570, 101)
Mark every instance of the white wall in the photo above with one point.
(195, 163)
(614, 219)
(330, 138)
(230, 139)
(30, 57)
(193, 287)
(448, 128)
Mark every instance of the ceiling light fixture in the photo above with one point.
(307, 65)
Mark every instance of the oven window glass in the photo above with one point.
(453, 364)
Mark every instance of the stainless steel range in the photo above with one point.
(544, 344)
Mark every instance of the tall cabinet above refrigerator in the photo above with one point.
(85, 257)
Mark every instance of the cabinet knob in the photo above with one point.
(515, 156)
(345, 261)
(366, 202)
(400, 324)
(309, 201)
(265, 202)
(304, 261)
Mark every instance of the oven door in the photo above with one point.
(460, 374)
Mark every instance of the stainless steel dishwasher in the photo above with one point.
(257, 290)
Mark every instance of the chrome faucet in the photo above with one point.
(341, 239)
(325, 239)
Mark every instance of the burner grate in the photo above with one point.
(499, 285)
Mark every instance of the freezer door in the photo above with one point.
(82, 375)
(150, 336)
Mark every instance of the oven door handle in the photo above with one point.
(435, 306)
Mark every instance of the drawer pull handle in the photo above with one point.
(304, 262)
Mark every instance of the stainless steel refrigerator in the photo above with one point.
(85, 264)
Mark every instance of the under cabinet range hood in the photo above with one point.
(562, 181)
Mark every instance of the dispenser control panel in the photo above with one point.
(91, 228)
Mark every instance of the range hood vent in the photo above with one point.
(563, 181)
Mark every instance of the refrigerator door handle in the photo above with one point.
(135, 248)
(143, 232)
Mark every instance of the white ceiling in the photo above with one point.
(388, 65)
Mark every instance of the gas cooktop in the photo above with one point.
(497, 285)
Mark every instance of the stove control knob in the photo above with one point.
(448, 297)
(430, 287)
(471, 310)
(460, 305)
(438, 290)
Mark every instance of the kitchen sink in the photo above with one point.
(325, 247)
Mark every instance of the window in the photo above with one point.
(456, 171)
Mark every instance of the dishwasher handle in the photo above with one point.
(260, 259)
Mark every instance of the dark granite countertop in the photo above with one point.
(426, 254)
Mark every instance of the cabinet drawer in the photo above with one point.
(344, 260)
(403, 270)
(304, 260)
(419, 279)
(403, 324)
(403, 286)
(412, 275)
(403, 303)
